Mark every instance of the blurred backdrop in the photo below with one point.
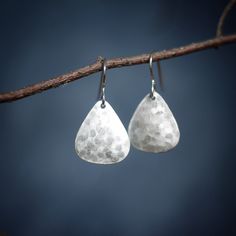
(46, 189)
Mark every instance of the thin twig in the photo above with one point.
(225, 12)
(113, 63)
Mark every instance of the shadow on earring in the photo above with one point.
(102, 138)
(153, 127)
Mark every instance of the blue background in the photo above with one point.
(45, 189)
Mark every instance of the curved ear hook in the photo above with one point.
(103, 83)
(160, 75)
(153, 88)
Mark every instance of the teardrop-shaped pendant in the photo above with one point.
(102, 138)
(153, 127)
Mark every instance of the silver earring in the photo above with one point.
(102, 138)
(153, 127)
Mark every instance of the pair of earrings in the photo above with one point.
(102, 138)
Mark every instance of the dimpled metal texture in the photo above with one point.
(153, 127)
(102, 138)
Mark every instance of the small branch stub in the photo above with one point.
(225, 12)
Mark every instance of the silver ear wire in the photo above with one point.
(160, 75)
(153, 88)
(103, 83)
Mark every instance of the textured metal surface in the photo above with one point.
(102, 138)
(153, 127)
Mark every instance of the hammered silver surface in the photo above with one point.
(102, 138)
(153, 127)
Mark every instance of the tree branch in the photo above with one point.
(219, 40)
(113, 63)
